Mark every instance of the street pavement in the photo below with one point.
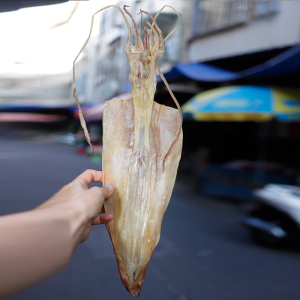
(203, 252)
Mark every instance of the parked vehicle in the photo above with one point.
(275, 220)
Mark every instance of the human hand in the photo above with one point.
(80, 204)
(49, 234)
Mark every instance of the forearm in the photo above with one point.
(34, 245)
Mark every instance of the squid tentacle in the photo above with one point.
(156, 42)
(140, 32)
(146, 39)
(172, 31)
(165, 81)
(179, 110)
(135, 31)
(81, 118)
(162, 44)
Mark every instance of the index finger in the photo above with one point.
(88, 176)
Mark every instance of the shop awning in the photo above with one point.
(199, 72)
(284, 64)
(244, 103)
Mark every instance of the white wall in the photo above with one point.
(47, 90)
(274, 31)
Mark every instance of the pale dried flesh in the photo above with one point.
(142, 188)
(142, 143)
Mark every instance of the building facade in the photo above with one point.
(221, 29)
(208, 30)
(105, 68)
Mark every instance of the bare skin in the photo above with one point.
(38, 243)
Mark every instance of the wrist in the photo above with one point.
(69, 222)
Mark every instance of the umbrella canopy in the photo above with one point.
(244, 103)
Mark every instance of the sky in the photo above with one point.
(30, 45)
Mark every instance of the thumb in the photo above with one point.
(107, 191)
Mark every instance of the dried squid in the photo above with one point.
(142, 143)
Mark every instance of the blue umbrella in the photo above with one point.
(244, 103)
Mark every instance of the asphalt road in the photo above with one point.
(203, 253)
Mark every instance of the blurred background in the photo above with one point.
(232, 227)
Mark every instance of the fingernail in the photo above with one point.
(109, 187)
